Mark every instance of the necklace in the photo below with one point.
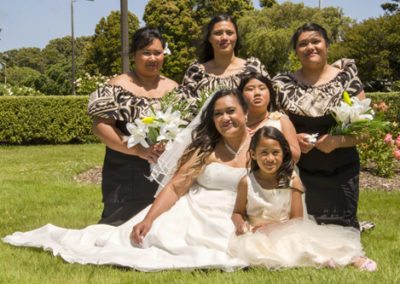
(233, 152)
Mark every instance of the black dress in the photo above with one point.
(331, 180)
(125, 186)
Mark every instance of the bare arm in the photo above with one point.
(239, 212)
(110, 135)
(178, 186)
(289, 132)
(296, 209)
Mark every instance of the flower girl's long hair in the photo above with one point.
(206, 136)
(285, 171)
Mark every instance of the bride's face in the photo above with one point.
(229, 117)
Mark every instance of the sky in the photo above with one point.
(33, 23)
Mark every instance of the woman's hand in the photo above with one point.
(151, 153)
(139, 231)
(305, 146)
(243, 228)
(326, 143)
(258, 227)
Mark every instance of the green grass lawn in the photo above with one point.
(37, 187)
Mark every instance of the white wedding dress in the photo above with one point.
(194, 233)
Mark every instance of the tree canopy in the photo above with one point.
(104, 51)
(267, 32)
(181, 22)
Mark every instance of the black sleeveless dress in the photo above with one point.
(125, 187)
(331, 180)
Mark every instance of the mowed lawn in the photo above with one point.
(37, 187)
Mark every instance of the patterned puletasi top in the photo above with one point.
(315, 101)
(117, 103)
(197, 80)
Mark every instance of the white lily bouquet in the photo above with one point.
(159, 125)
(355, 116)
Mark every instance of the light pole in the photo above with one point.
(124, 36)
(319, 4)
(73, 47)
(4, 66)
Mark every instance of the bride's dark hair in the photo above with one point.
(206, 136)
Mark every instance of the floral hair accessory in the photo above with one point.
(167, 51)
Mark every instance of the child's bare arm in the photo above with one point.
(296, 209)
(239, 212)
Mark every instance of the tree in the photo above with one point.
(104, 52)
(29, 57)
(375, 45)
(266, 33)
(391, 8)
(22, 76)
(267, 3)
(175, 21)
(181, 23)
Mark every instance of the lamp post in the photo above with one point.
(319, 4)
(124, 36)
(4, 66)
(73, 47)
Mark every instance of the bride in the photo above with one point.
(188, 226)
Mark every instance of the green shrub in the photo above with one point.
(44, 120)
(8, 90)
(376, 155)
(87, 84)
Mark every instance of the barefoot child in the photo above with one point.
(268, 216)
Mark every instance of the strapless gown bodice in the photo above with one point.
(218, 176)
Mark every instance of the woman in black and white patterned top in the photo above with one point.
(219, 66)
(329, 168)
(125, 186)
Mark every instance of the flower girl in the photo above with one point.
(270, 227)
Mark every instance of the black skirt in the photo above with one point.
(331, 180)
(125, 185)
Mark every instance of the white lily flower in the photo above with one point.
(138, 131)
(342, 113)
(169, 123)
(362, 105)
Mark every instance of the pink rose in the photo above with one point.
(397, 142)
(396, 154)
(388, 139)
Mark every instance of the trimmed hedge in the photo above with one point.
(63, 119)
(45, 120)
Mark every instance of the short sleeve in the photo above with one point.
(349, 76)
(254, 65)
(191, 80)
(116, 103)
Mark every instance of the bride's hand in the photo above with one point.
(139, 231)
